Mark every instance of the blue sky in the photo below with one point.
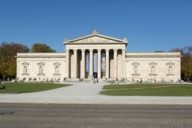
(149, 25)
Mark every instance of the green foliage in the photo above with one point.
(39, 47)
(8, 51)
(29, 87)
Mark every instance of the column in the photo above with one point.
(67, 64)
(115, 63)
(99, 63)
(91, 63)
(75, 63)
(83, 64)
(107, 63)
(123, 64)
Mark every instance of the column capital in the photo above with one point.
(91, 50)
(107, 50)
(98, 49)
(115, 50)
(82, 50)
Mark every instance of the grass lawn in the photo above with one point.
(29, 87)
(148, 90)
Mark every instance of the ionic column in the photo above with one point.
(83, 64)
(107, 63)
(99, 63)
(123, 64)
(67, 64)
(91, 63)
(115, 63)
(75, 63)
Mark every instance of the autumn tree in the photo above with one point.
(40, 47)
(186, 62)
(8, 52)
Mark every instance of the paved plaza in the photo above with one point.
(88, 93)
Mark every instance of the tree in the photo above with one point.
(177, 50)
(186, 62)
(187, 50)
(40, 47)
(186, 68)
(8, 51)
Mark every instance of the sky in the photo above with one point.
(149, 25)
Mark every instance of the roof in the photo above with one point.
(95, 37)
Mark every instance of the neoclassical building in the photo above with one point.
(100, 55)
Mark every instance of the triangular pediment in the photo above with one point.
(95, 38)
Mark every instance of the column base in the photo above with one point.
(90, 77)
(72, 79)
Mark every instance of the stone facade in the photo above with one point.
(101, 55)
(153, 66)
(41, 66)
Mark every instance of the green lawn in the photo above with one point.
(29, 87)
(148, 90)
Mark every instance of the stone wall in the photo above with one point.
(48, 61)
(153, 67)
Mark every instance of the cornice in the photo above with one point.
(41, 55)
(154, 55)
(99, 43)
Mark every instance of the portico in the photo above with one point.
(107, 63)
(95, 54)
